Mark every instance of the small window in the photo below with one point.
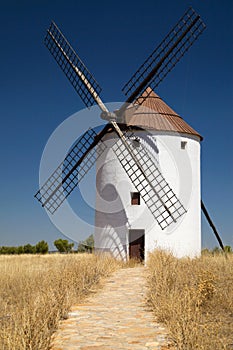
(135, 198)
(136, 142)
(183, 144)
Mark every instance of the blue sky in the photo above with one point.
(113, 39)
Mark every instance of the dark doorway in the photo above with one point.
(136, 244)
(135, 198)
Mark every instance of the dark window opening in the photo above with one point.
(135, 198)
(136, 142)
(183, 144)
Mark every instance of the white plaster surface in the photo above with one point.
(115, 215)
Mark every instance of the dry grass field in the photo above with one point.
(37, 291)
(194, 299)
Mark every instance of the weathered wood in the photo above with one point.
(212, 225)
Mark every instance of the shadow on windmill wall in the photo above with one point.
(111, 232)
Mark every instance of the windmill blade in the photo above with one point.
(165, 56)
(71, 171)
(75, 70)
(141, 169)
(148, 180)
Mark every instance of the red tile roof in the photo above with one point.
(155, 114)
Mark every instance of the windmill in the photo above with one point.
(133, 149)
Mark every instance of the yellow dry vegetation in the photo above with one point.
(38, 291)
(193, 298)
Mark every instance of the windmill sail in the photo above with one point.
(144, 174)
(148, 180)
(75, 70)
(71, 171)
(165, 56)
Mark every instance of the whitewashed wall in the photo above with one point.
(115, 215)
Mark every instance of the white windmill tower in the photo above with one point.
(148, 157)
(124, 223)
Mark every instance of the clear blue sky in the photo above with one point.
(113, 38)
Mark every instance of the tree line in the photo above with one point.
(64, 246)
(217, 250)
(42, 247)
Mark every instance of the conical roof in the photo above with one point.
(154, 113)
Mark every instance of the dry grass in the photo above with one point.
(37, 291)
(194, 299)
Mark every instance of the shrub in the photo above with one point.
(87, 245)
(63, 246)
(42, 247)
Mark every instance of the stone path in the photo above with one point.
(114, 318)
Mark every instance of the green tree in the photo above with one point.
(7, 250)
(20, 250)
(29, 249)
(87, 245)
(228, 249)
(12, 250)
(42, 247)
(63, 246)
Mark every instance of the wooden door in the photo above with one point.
(136, 244)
